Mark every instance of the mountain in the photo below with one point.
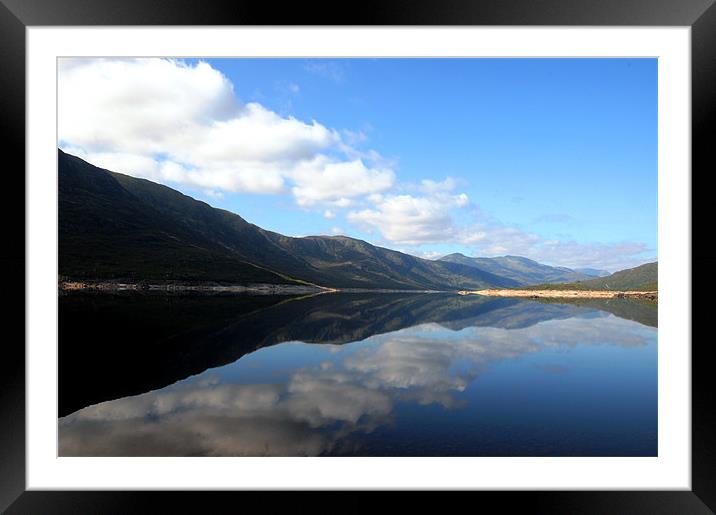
(114, 226)
(106, 232)
(521, 270)
(640, 278)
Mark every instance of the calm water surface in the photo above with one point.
(356, 374)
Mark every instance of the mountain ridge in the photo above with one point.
(114, 226)
(117, 227)
(523, 270)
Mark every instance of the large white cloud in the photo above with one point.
(407, 219)
(323, 180)
(167, 120)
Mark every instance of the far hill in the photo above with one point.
(520, 269)
(641, 278)
(114, 226)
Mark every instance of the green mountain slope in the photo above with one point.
(522, 270)
(116, 226)
(640, 278)
(105, 232)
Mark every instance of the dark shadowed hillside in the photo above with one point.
(113, 226)
(106, 232)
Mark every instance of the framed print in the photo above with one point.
(415, 249)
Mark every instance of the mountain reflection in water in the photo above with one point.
(356, 374)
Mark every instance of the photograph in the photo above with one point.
(382, 257)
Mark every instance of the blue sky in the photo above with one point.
(554, 159)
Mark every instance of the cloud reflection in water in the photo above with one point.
(332, 393)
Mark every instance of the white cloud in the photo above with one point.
(138, 103)
(324, 180)
(166, 120)
(406, 219)
(328, 214)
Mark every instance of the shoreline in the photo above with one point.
(564, 294)
(112, 287)
(69, 286)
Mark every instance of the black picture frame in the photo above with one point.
(16, 15)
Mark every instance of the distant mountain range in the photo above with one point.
(117, 227)
(522, 270)
(641, 278)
